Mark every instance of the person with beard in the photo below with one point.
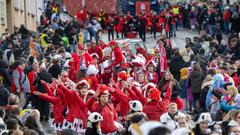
(40, 104)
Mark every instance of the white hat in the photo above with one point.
(57, 57)
(68, 55)
(92, 70)
(95, 117)
(136, 105)
(146, 127)
(181, 131)
(105, 64)
(204, 117)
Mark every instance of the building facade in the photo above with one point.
(14, 13)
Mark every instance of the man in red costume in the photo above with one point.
(117, 57)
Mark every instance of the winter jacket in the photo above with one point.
(77, 108)
(235, 51)
(195, 81)
(122, 107)
(5, 73)
(97, 50)
(75, 64)
(205, 96)
(45, 76)
(154, 109)
(175, 66)
(32, 76)
(226, 108)
(117, 57)
(20, 81)
(4, 94)
(170, 123)
(236, 79)
(55, 70)
(109, 115)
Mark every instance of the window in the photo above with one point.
(2, 13)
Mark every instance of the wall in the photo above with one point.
(25, 13)
(3, 17)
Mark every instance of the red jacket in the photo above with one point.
(58, 107)
(109, 115)
(143, 52)
(77, 108)
(236, 80)
(31, 77)
(155, 109)
(75, 64)
(92, 81)
(122, 107)
(97, 50)
(226, 16)
(117, 57)
(152, 77)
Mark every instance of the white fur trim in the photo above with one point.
(85, 83)
(94, 54)
(92, 70)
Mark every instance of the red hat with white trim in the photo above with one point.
(122, 76)
(82, 84)
(94, 55)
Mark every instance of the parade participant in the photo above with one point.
(77, 110)
(94, 48)
(81, 60)
(151, 75)
(93, 124)
(117, 57)
(154, 21)
(58, 105)
(106, 109)
(64, 77)
(154, 108)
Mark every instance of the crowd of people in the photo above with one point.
(83, 85)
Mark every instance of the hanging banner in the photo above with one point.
(143, 6)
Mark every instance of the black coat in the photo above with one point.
(45, 76)
(55, 70)
(176, 64)
(4, 94)
(5, 73)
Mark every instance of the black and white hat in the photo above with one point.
(95, 117)
(136, 105)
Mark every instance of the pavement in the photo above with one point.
(179, 39)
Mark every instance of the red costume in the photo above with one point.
(75, 64)
(98, 50)
(155, 108)
(31, 77)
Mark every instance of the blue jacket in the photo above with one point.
(226, 108)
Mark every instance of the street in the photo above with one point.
(179, 39)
